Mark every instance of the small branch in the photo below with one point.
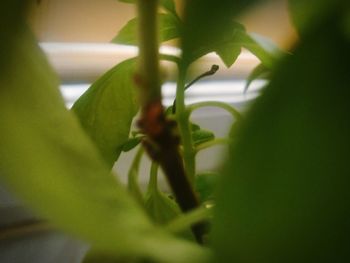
(235, 113)
(214, 68)
(170, 58)
(211, 143)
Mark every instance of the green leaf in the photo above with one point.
(12, 17)
(207, 22)
(47, 160)
(201, 136)
(227, 45)
(168, 5)
(163, 209)
(194, 127)
(107, 108)
(266, 51)
(131, 143)
(160, 207)
(169, 28)
(307, 14)
(205, 184)
(259, 72)
(95, 256)
(284, 195)
(229, 53)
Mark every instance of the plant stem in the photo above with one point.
(148, 51)
(153, 180)
(161, 143)
(214, 68)
(170, 58)
(211, 143)
(235, 113)
(186, 220)
(182, 117)
(133, 176)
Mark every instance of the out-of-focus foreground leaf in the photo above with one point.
(285, 193)
(306, 14)
(12, 14)
(160, 207)
(47, 160)
(259, 72)
(107, 108)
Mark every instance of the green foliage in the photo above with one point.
(284, 196)
(307, 14)
(131, 143)
(205, 185)
(107, 108)
(227, 45)
(267, 52)
(201, 136)
(47, 159)
(259, 72)
(12, 13)
(160, 207)
(169, 28)
(209, 26)
(51, 164)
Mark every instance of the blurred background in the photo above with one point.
(77, 34)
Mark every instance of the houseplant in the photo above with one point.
(279, 194)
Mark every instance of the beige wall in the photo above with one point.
(100, 20)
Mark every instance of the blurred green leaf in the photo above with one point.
(107, 108)
(48, 161)
(264, 49)
(205, 184)
(284, 196)
(94, 256)
(12, 17)
(194, 127)
(200, 136)
(307, 14)
(131, 143)
(168, 5)
(169, 28)
(163, 209)
(160, 207)
(259, 72)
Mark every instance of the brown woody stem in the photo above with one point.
(162, 143)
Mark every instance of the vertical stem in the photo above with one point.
(184, 126)
(148, 51)
(133, 176)
(153, 181)
(161, 142)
